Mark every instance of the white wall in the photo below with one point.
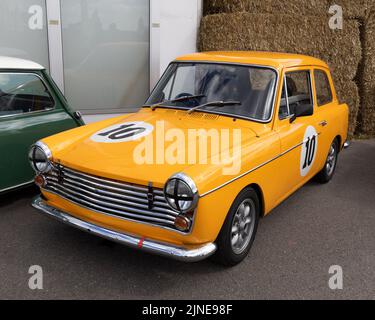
(174, 31)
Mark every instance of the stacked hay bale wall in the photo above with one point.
(367, 83)
(309, 35)
(351, 8)
(309, 7)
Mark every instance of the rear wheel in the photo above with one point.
(238, 232)
(326, 174)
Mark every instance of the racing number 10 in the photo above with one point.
(310, 151)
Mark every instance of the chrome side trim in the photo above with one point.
(17, 186)
(163, 249)
(252, 170)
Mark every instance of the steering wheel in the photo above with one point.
(183, 94)
(189, 102)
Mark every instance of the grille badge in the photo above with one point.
(150, 196)
(60, 174)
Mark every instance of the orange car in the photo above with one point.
(222, 140)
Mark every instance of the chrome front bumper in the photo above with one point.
(159, 248)
(346, 144)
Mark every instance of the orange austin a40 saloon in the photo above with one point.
(222, 140)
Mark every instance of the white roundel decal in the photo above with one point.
(122, 132)
(309, 149)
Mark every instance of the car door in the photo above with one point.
(325, 102)
(29, 110)
(299, 137)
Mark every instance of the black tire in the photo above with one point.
(327, 173)
(225, 253)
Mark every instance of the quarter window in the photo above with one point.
(23, 93)
(298, 87)
(323, 88)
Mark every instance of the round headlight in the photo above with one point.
(181, 193)
(39, 157)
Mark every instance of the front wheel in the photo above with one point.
(238, 232)
(326, 174)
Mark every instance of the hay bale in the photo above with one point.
(367, 81)
(348, 92)
(341, 49)
(306, 7)
(367, 116)
(310, 36)
(369, 49)
(351, 8)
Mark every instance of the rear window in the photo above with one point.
(323, 88)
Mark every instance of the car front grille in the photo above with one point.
(128, 201)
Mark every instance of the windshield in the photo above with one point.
(188, 85)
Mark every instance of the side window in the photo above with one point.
(23, 93)
(298, 85)
(323, 88)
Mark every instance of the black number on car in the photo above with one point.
(310, 151)
(122, 132)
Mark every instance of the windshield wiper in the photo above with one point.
(184, 98)
(215, 104)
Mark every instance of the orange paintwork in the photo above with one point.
(261, 143)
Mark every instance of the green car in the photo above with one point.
(31, 107)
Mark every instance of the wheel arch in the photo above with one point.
(339, 140)
(259, 191)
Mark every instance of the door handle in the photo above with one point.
(323, 123)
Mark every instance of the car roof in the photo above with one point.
(16, 63)
(270, 59)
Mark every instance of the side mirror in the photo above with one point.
(77, 115)
(303, 110)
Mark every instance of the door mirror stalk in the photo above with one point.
(292, 118)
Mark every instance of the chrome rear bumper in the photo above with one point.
(159, 248)
(346, 144)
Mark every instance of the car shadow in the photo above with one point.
(13, 196)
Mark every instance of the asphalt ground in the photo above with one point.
(317, 227)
